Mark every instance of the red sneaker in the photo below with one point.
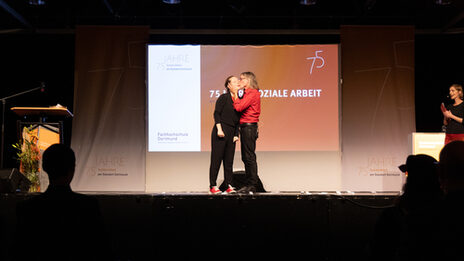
(230, 190)
(214, 190)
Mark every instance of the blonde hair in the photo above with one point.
(252, 79)
(458, 88)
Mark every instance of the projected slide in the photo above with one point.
(298, 86)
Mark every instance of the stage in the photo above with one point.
(312, 225)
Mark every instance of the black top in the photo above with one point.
(453, 126)
(224, 112)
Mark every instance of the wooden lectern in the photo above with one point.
(42, 112)
(429, 143)
(39, 117)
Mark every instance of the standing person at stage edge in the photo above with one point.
(249, 104)
(454, 114)
(224, 136)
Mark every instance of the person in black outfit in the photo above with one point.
(454, 114)
(71, 222)
(224, 136)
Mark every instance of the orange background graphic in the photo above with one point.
(286, 123)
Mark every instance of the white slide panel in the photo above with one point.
(174, 102)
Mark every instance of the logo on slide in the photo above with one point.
(320, 64)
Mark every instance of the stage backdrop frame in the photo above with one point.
(377, 68)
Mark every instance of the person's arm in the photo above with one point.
(217, 115)
(236, 133)
(449, 115)
(220, 132)
(233, 95)
(245, 102)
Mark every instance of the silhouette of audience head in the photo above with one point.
(452, 166)
(59, 162)
(422, 182)
(421, 171)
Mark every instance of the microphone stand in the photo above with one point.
(3, 117)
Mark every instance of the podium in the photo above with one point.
(38, 117)
(45, 123)
(43, 111)
(429, 143)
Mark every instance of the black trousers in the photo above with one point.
(248, 137)
(222, 150)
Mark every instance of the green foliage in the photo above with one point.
(28, 154)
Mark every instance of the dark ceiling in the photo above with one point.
(428, 16)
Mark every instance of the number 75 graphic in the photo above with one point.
(314, 58)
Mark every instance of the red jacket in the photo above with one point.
(249, 106)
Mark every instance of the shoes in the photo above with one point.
(230, 190)
(247, 189)
(214, 190)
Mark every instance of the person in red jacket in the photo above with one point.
(248, 103)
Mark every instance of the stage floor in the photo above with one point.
(318, 225)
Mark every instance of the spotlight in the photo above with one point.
(36, 2)
(171, 2)
(442, 2)
(308, 2)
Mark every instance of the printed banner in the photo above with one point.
(377, 105)
(108, 133)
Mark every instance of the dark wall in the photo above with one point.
(28, 59)
(439, 63)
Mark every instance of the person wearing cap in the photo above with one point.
(422, 184)
(409, 229)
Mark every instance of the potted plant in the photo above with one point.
(29, 156)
